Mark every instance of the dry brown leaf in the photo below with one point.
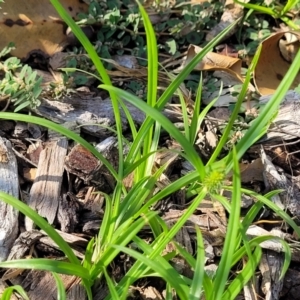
(274, 61)
(215, 62)
(35, 25)
(250, 172)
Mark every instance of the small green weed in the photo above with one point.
(20, 84)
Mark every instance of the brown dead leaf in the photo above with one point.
(215, 62)
(250, 172)
(274, 61)
(35, 25)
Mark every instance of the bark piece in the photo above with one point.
(9, 183)
(29, 174)
(23, 243)
(67, 214)
(270, 266)
(34, 151)
(288, 199)
(87, 167)
(251, 289)
(150, 293)
(76, 292)
(88, 110)
(82, 163)
(291, 285)
(21, 130)
(45, 191)
(286, 124)
(78, 244)
(41, 285)
(274, 245)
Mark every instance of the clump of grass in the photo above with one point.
(126, 212)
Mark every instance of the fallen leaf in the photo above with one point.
(35, 25)
(275, 59)
(215, 62)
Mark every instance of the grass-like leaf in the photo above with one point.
(260, 124)
(171, 89)
(48, 265)
(163, 268)
(196, 288)
(231, 234)
(243, 277)
(7, 293)
(101, 70)
(236, 110)
(40, 222)
(166, 124)
(271, 205)
(65, 132)
(61, 291)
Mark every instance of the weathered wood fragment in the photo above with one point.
(271, 266)
(23, 243)
(41, 285)
(82, 163)
(78, 244)
(46, 189)
(67, 214)
(87, 167)
(289, 198)
(87, 110)
(9, 183)
(286, 124)
(76, 292)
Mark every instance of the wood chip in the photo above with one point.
(270, 266)
(46, 189)
(9, 183)
(87, 110)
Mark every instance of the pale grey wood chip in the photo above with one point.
(274, 245)
(289, 198)
(286, 124)
(270, 266)
(94, 113)
(46, 189)
(251, 290)
(9, 183)
(150, 293)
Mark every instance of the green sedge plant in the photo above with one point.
(127, 212)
